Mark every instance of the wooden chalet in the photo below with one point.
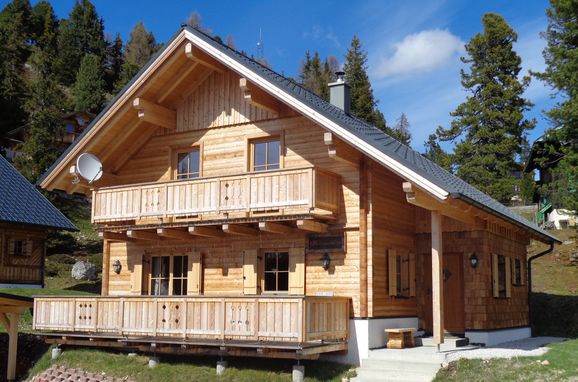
(244, 215)
(26, 217)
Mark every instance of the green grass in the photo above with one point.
(188, 368)
(562, 358)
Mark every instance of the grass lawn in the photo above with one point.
(562, 359)
(188, 368)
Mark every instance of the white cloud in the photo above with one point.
(318, 33)
(420, 52)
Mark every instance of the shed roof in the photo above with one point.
(21, 202)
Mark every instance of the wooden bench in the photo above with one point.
(400, 338)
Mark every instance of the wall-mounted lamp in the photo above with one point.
(116, 267)
(325, 261)
(474, 260)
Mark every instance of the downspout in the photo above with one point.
(549, 250)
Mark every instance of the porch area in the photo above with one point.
(299, 327)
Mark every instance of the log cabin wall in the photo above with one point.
(26, 267)
(393, 228)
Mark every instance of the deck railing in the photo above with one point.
(307, 188)
(290, 319)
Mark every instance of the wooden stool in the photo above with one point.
(400, 338)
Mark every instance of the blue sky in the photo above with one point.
(413, 46)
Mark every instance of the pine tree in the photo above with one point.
(81, 34)
(139, 50)
(561, 68)
(15, 33)
(45, 48)
(114, 61)
(490, 123)
(435, 153)
(315, 75)
(89, 91)
(363, 103)
(401, 130)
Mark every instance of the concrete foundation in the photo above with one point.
(298, 373)
(153, 362)
(221, 367)
(493, 337)
(56, 353)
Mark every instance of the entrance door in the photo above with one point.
(454, 316)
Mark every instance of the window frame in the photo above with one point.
(171, 275)
(174, 160)
(260, 138)
(263, 272)
(23, 250)
(501, 274)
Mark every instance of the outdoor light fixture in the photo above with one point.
(325, 261)
(116, 267)
(474, 260)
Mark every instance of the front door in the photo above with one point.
(454, 316)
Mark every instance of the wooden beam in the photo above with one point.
(168, 89)
(312, 226)
(144, 135)
(155, 114)
(437, 277)
(174, 233)
(5, 321)
(105, 267)
(239, 229)
(12, 346)
(202, 58)
(142, 235)
(275, 227)
(258, 98)
(338, 150)
(113, 236)
(205, 231)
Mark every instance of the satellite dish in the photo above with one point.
(89, 167)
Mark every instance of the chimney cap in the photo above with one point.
(340, 76)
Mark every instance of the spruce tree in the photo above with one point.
(15, 34)
(139, 50)
(81, 34)
(401, 130)
(435, 153)
(490, 123)
(363, 103)
(114, 61)
(89, 91)
(561, 67)
(45, 48)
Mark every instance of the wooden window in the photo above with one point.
(501, 275)
(266, 154)
(18, 247)
(401, 274)
(276, 272)
(169, 275)
(189, 164)
(517, 272)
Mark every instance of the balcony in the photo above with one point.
(297, 191)
(305, 324)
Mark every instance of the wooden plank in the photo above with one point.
(202, 58)
(437, 277)
(297, 271)
(257, 97)
(312, 226)
(240, 229)
(275, 227)
(142, 235)
(195, 273)
(206, 231)
(12, 345)
(155, 114)
(113, 236)
(174, 233)
(392, 271)
(250, 268)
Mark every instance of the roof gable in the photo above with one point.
(21, 203)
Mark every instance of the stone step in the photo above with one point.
(449, 342)
(367, 375)
(394, 365)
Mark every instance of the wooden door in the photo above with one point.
(454, 316)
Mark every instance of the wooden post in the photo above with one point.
(363, 298)
(105, 267)
(437, 277)
(13, 319)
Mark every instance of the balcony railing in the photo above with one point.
(277, 319)
(294, 189)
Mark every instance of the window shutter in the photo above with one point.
(297, 271)
(404, 264)
(412, 274)
(195, 273)
(495, 275)
(508, 277)
(250, 271)
(11, 247)
(392, 272)
(523, 272)
(136, 276)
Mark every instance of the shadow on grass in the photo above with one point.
(30, 349)
(554, 315)
(86, 287)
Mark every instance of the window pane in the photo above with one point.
(165, 261)
(185, 265)
(283, 261)
(182, 163)
(270, 261)
(164, 287)
(177, 291)
(160, 287)
(270, 281)
(273, 153)
(177, 266)
(502, 275)
(283, 281)
(194, 164)
(184, 286)
(260, 154)
(273, 167)
(156, 267)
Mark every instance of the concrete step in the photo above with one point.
(449, 342)
(421, 355)
(394, 365)
(367, 375)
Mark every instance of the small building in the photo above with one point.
(26, 217)
(243, 215)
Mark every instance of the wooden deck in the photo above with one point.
(293, 322)
(304, 190)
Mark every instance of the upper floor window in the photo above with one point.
(188, 164)
(266, 154)
(276, 272)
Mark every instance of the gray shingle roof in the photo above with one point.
(21, 202)
(403, 154)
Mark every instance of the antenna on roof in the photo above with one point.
(260, 46)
